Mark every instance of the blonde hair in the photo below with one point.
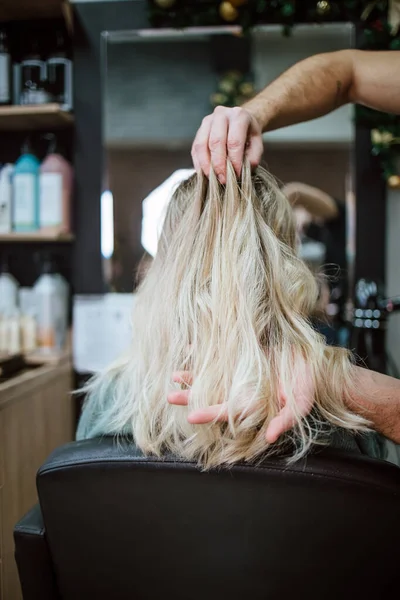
(228, 299)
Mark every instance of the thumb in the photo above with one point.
(283, 422)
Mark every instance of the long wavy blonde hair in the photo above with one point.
(228, 299)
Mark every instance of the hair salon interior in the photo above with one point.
(100, 102)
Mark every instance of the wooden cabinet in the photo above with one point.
(36, 416)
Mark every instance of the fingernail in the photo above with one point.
(221, 179)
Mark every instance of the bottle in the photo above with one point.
(56, 177)
(59, 74)
(33, 77)
(5, 198)
(14, 332)
(8, 288)
(5, 70)
(25, 184)
(49, 305)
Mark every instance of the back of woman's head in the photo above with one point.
(228, 299)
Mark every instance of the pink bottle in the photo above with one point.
(56, 179)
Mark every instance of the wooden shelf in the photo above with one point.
(17, 10)
(30, 117)
(35, 236)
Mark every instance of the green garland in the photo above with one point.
(379, 20)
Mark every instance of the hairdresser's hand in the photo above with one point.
(227, 133)
(279, 425)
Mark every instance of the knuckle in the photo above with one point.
(215, 143)
(219, 110)
(235, 144)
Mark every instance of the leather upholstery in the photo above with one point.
(33, 558)
(123, 527)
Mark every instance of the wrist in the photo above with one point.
(257, 113)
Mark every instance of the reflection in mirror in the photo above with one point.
(158, 87)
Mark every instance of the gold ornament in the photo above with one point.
(219, 99)
(227, 86)
(376, 136)
(246, 89)
(228, 12)
(323, 7)
(165, 3)
(384, 138)
(237, 3)
(394, 182)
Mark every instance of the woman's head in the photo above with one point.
(228, 299)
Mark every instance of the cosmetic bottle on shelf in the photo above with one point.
(5, 70)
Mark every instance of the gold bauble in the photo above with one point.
(228, 12)
(227, 86)
(376, 136)
(387, 138)
(246, 89)
(233, 75)
(323, 7)
(218, 99)
(394, 182)
(165, 3)
(237, 3)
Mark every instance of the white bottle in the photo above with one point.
(49, 309)
(3, 334)
(8, 289)
(5, 198)
(28, 333)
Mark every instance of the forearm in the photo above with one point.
(377, 398)
(320, 84)
(309, 89)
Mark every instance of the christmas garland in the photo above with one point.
(378, 19)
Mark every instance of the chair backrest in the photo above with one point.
(123, 527)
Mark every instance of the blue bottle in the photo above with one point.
(25, 191)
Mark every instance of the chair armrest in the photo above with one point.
(33, 558)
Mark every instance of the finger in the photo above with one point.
(239, 124)
(218, 413)
(200, 151)
(217, 142)
(254, 150)
(179, 398)
(184, 377)
(280, 424)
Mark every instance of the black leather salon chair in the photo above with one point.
(113, 525)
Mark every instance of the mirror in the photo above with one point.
(159, 84)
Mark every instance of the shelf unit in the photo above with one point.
(17, 10)
(35, 236)
(31, 117)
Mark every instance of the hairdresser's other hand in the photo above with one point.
(283, 422)
(227, 133)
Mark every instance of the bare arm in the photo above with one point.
(378, 399)
(310, 89)
(320, 84)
